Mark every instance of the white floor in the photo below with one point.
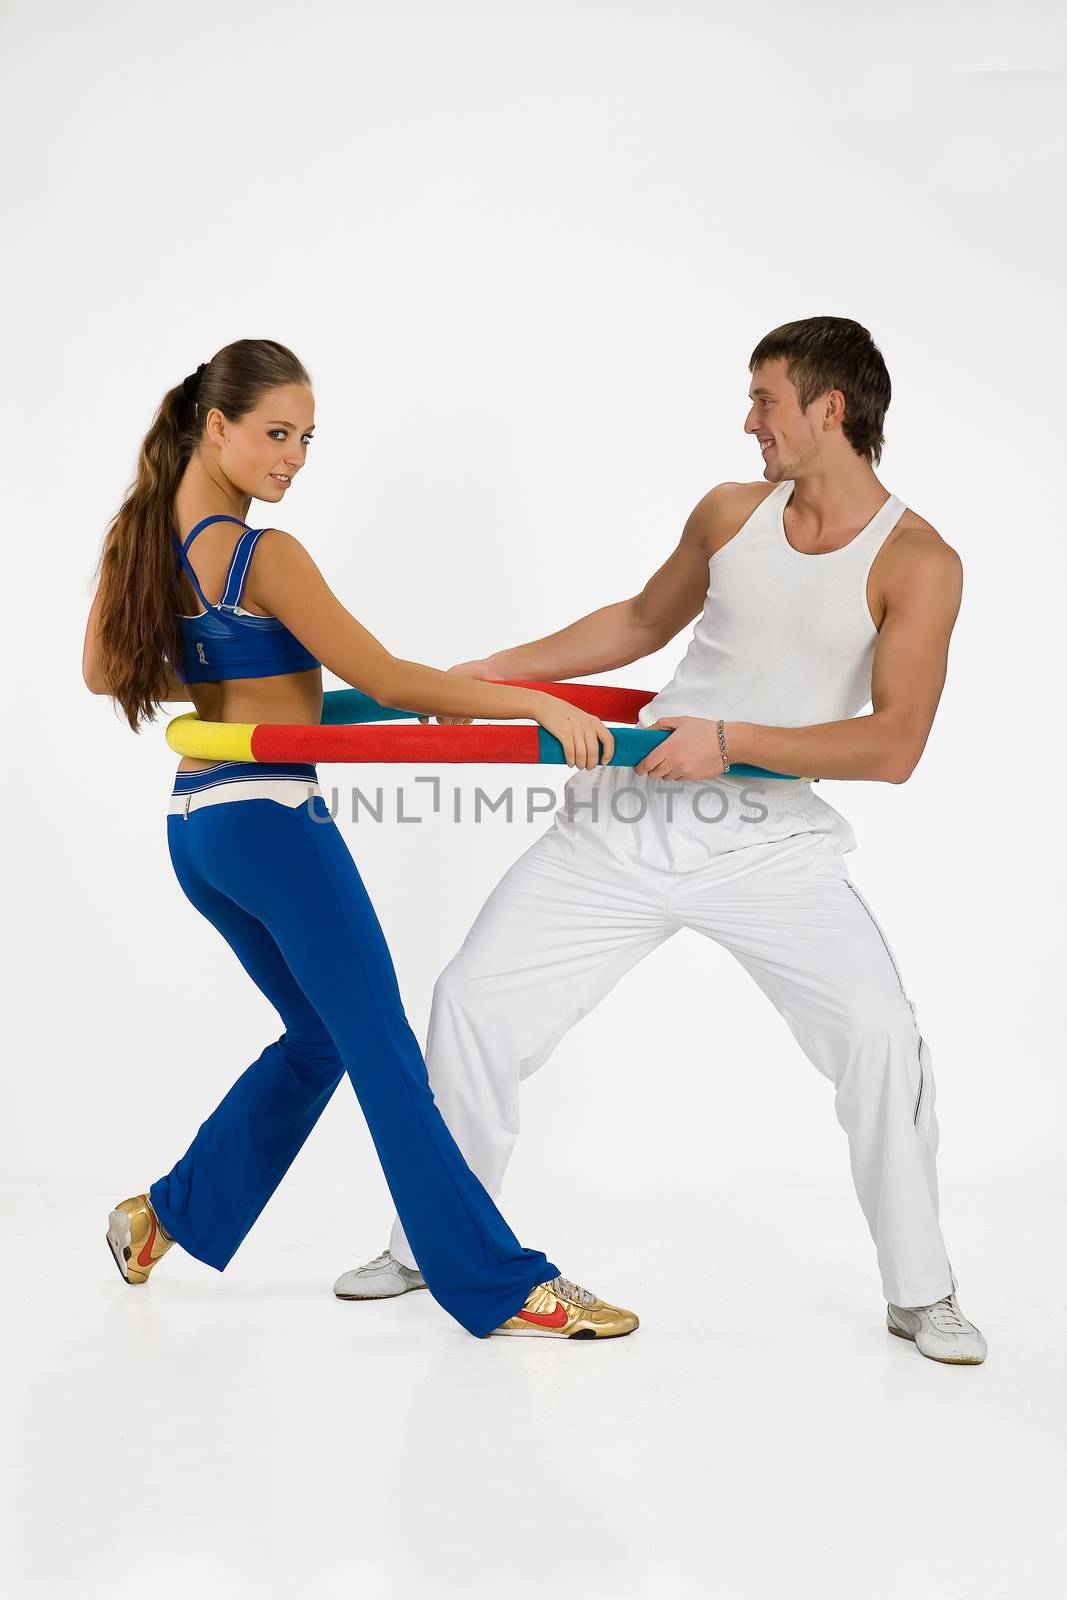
(760, 1435)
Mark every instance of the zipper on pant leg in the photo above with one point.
(900, 980)
(849, 884)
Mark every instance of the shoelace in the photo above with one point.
(564, 1289)
(379, 1261)
(945, 1315)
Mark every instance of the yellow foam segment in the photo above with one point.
(212, 741)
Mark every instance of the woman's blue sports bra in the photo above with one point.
(225, 642)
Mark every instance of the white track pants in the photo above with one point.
(598, 892)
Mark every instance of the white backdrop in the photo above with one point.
(525, 254)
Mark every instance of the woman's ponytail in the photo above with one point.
(138, 636)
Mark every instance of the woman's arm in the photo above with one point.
(288, 585)
(171, 686)
(90, 660)
(286, 582)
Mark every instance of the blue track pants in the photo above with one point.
(256, 851)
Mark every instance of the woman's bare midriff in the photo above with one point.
(291, 697)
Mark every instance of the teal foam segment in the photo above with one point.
(632, 745)
(346, 707)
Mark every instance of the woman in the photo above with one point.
(256, 851)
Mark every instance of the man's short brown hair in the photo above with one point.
(824, 353)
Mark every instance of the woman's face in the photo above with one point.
(263, 452)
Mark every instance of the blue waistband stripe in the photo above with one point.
(242, 772)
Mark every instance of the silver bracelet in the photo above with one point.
(722, 746)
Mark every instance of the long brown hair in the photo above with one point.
(826, 353)
(138, 634)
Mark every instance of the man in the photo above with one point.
(826, 593)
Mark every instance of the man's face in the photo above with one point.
(788, 437)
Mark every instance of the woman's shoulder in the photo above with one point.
(282, 569)
(277, 546)
(270, 535)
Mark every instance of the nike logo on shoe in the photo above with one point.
(546, 1319)
(145, 1258)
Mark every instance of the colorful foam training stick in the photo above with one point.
(356, 728)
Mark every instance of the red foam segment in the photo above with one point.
(600, 699)
(394, 741)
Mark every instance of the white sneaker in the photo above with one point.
(378, 1280)
(940, 1331)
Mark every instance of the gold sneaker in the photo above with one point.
(136, 1239)
(561, 1310)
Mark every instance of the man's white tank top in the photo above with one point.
(785, 639)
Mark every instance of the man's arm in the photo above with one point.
(615, 635)
(908, 674)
